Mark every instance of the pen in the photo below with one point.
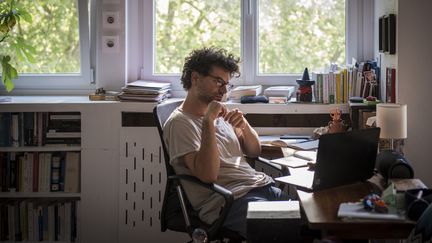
(308, 140)
(294, 137)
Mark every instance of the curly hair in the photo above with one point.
(203, 60)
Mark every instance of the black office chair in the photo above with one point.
(177, 213)
(422, 232)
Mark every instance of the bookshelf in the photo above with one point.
(40, 176)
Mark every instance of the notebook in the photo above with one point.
(342, 158)
(357, 211)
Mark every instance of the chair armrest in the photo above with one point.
(225, 193)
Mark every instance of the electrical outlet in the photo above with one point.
(110, 44)
(111, 19)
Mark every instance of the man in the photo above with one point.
(208, 141)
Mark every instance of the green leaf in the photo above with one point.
(23, 50)
(8, 73)
(26, 16)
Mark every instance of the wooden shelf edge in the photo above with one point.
(10, 195)
(40, 148)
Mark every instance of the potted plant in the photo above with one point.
(11, 40)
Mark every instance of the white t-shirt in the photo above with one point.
(182, 135)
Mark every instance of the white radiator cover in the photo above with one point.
(142, 187)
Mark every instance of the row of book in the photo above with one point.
(40, 128)
(145, 91)
(337, 86)
(31, 220)
(40, 172)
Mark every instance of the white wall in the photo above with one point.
(414, 36)
(413, 60)
(110, 67)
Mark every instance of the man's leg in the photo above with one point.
(236, 219)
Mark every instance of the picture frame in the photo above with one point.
(387, 34)
(391, 33)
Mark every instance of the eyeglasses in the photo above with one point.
(221, 83)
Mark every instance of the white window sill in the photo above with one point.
(257, 108)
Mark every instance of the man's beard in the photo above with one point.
(209, 98)
(206, 98)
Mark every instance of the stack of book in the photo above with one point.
(146, 91)
(279, 94)
(64, 128)
(245, 90)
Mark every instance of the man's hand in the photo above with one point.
(215, 109)
(247, 136)
(236, 119)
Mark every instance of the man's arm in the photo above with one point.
(247, 136)
(205, 163)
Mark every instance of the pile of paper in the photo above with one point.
(146, 91)
(244, 90)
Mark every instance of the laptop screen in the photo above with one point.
(345, 158)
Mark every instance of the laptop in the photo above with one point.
(342, 158)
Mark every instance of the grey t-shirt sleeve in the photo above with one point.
(182, 136)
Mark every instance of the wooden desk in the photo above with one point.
(321, 208)
(321, 211)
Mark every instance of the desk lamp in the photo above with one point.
(392, 119)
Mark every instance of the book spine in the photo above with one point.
(55, 173)
(35, 172)
(30, 222)
(5, 129)
(28, 125)
(390, 85)
(72, 172)
(41, 171)
(15, 130)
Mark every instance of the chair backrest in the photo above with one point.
(161, 114)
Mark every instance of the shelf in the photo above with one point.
(289, 108)
(40, 149)
(9, 195)
(35, 241)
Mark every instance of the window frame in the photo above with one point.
(140, 61)
(31, 84)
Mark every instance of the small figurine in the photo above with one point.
(100, 91)
(304, 92)
(374, 202)
(336, 124)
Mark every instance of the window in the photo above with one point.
(181, 26)
(61, 43)
(293, 35)
(276, 39)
